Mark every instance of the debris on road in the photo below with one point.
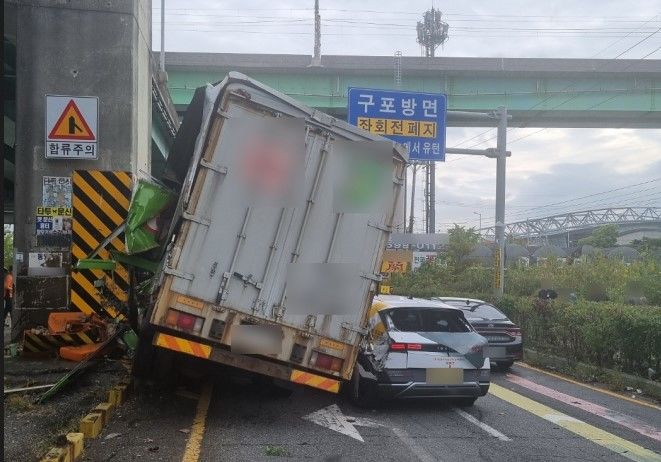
(83, 365)
(27, 389)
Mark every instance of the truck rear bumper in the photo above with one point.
(249, 363)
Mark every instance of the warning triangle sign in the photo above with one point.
(71, 125)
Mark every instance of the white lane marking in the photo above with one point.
(363, 422)
(490, 430)
(332, 418)
(558, 418)
(421, 453)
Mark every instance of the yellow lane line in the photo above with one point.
(194, 444)
(591, 433)
(601, 390)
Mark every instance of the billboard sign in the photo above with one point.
(416, 120)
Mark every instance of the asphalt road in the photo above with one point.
(527, 416)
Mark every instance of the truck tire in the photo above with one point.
(504, 365)
(362, 391)
(153, 367)
(145, 355)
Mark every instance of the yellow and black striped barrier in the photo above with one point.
(42, 342)
(100, 202)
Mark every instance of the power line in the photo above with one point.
(568, 201)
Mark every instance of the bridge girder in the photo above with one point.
(581, 220)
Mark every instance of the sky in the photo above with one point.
(551, 171)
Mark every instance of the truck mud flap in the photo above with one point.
(250, 363)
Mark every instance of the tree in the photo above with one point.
(8, 248)
(461, 242)
(602, 237)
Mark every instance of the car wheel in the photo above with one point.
(363, 392)
(505, 365)
(466, 402)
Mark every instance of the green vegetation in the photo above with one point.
(9, 247)
(276, 451)
(610, 335)
(602, 237)
(607, 314)
(461, 243)
(19, 403)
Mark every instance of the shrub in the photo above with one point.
(606, 334)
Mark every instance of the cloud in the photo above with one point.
(547, 166)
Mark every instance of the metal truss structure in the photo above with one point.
(572, 221)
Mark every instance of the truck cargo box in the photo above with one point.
(278, 236)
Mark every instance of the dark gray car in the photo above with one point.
(504, 337)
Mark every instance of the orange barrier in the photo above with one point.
(57, 322)
(78, 353)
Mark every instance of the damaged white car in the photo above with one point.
(419, 348)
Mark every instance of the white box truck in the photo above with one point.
(272, 260)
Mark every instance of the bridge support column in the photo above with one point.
(74, 48)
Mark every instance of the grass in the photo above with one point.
(19, 403)
(276, 451)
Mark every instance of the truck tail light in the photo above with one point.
(184, 321)
(405, 346)
(324, 361)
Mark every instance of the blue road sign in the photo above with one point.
(417, 120)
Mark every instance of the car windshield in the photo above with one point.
(482, 310)
(426, 320)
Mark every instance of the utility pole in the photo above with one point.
(501, 168)
(162, 56)
(412, 213)
(397, 78)
(480, 228)
(316, 58)
(432, 32)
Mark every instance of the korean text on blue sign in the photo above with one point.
(416, 120)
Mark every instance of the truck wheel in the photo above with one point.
(145, 355)
(505, 365)
(362, 391)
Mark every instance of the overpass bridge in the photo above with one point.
(537, 92)
(567, 228)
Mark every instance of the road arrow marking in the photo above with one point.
(332, 418)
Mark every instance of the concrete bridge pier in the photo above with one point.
(74, 48)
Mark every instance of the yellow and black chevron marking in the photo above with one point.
(314, 380)
(37, 343)
(100, 204)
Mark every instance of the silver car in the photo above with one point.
(419, 348)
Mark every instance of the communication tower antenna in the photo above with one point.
(432, 32)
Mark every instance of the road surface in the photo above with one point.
(528, 415)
